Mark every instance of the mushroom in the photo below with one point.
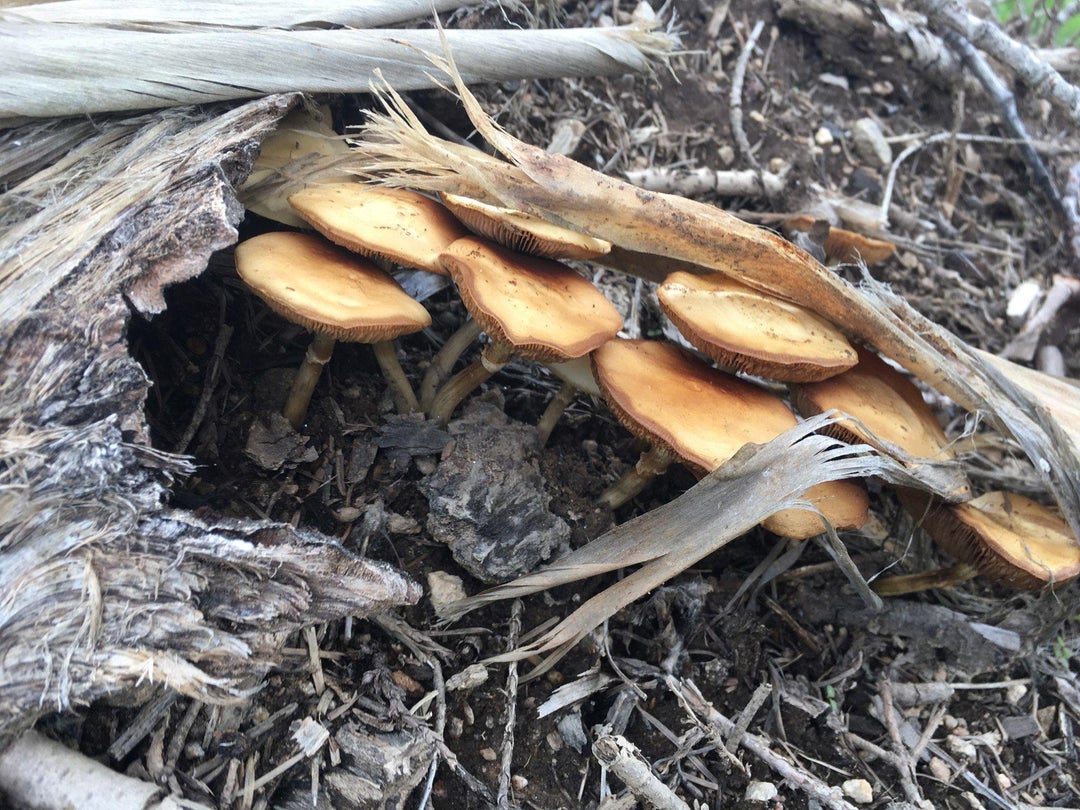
(691, 412)
(753, 332)
(841, 245)
(889, 411)
(1005, 537)
(401, 226)
(536, 308)
(523, 232)
(577, 376)
(338, 297)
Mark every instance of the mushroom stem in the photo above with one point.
(443, 361)
(925, 580)
(317, 355)
(493, 358)
(554, 411)
(653, 462)
(400, 388)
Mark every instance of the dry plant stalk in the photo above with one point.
(726, 504)
(92, 72)
(397, 150)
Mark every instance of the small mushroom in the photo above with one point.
(536, 308)
(1006, 537)
(523, 232)
(753, 332)
(577, 376)
(694, 413)
(337, 297)
(401, 226)
(842, 245)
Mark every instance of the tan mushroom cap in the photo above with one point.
(392, 223)
(668, 397)
(843, 245)
(753, 332)
(524, 232)
(309, 281)
(885, 401)
(544, 309)
(1009, 538)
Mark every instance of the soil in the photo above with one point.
(799, 630)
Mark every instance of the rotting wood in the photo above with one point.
(100, 587)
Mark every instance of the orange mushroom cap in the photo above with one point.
(544, 309)
(882, 399)
(1009, 538)
(392, 223)
(310, 282)
(669, 398)
(753, 332)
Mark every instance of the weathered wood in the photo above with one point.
(101, 586)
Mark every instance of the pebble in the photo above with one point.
(940, 769)
(870, 143)
(760, 792)
(858, 790)
(823, 137)
(444, 588)
(488, 754)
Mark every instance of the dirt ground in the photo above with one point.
(994, 723)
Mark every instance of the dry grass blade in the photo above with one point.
(759, 481)
(695, 234)
(92, 72)
(164, 14)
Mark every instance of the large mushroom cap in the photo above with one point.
(396, 224)
(753, 332)
(883, 400)
(524, 232)
(1008, 538)
(305, 279)
(668, 397)
(544, 309)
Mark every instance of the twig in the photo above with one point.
(1064, 290)
(759, 746)
(213, 371)
(1006, 103)
(742, 723)
(986, 36)
(622, 758)
(694, 182)
(738, 76)
(502, 798)
(903, 762)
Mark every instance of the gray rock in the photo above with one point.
(487, 497)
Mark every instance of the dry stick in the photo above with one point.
(1064, 290)
(735, 113)
(1006, 103)
(213, 371)
(696, 705)
(622, 758)
(983, 34)
(502, 798)
(742, 723)
(695, 182)
(903, 762)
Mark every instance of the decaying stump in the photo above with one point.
(102, 586)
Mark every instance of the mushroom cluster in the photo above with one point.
(509, 270)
